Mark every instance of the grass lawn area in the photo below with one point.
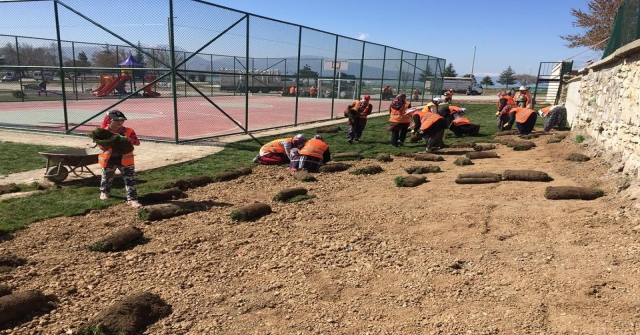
(19, 157)
(82, 197)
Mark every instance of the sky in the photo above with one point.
(483, 36)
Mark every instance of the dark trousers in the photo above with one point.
(356, 127)
(434, 134)
(527, 127)
(399, 133)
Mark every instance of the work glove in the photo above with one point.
(506, 125)
(497, 113)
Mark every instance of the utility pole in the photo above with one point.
(473, 61)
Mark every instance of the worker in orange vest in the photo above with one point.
(279, 151)
(399, 120)
(523, 98)
(554, 116)
(505, 98)
(448, 96)
(461, 125)
(431, 127)
(313, 91)
(313, 154)
(357, 113)
(293, 91)
(524, 118)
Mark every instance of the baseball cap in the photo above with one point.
(366, 97)
(117, 115)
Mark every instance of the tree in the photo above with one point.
(507, 77)
(307, 73)
(405, 76)
(525, 79)
(139, 55)
(487, 81)
(597, 21)
(469, 76)
(427, 74)
(107, 57)
(449, 71)
(81, 61)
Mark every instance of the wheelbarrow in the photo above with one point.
(61, 163)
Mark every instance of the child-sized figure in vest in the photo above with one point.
(110, 160)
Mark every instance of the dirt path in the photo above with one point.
(363, 257)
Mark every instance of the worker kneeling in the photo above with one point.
(279, 151)
(313, 154)
(429, 126)
(461, 126)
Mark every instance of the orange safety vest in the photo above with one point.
(427, 108)
(546, 110)
(356, 106)
(314, 148)
(455, 110)
(428, 119)
(292, 89)
(105, 153)
(461, 121)
(400, 116)
(509, 98)
(313, 90)
(522, 113)
(527, 96)
(275, 146)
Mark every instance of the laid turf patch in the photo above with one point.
(370, 169)
(572, 192)
(384, 157)
(462, 145)
(334, 167)
(251, 212)
(556, 138)
(481, 155)
(405, 154)
(328, 129)
(410, 181)
(9, 188)
(526, 175)
(507, 132)
(9, 261)
(232, 174)
(304, 176)
(423, 169)
(521, 145)
(346, 156)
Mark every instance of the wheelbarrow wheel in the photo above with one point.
(57, 175)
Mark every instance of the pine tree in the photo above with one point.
(487, 81)
(427, 74)
(597, 22)
(507, 77)
(449, 71)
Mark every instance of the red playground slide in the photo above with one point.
(108, 89)
(148, 91)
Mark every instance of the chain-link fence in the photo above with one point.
(626, 27)
(188, 69)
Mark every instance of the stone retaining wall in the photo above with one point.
(603, 105)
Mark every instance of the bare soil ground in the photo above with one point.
(363, 257)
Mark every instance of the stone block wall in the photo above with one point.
(603, 105)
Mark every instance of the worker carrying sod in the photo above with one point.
(357, 113)
(279, 151)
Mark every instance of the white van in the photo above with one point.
(42, 75)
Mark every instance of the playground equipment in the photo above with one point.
(108, 84)
(148, 89)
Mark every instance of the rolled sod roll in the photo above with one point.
(289, 193)
(118, 240)
(410, 181)
(572, 192)
(482, 155)
(526, 175)
(250, 212)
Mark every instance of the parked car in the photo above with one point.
(10, 76)
(42, 75)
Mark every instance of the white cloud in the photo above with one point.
(363, 36)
